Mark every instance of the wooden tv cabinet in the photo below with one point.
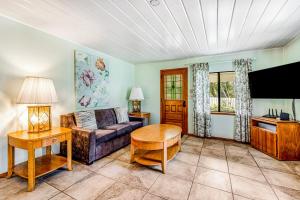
(283, 143)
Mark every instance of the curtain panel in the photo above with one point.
(202, 118)
(243, 101)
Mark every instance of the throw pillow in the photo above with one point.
(122, 115)
(86, 119)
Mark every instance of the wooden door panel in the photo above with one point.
(173, 108)
(271, 142)
(254, 137)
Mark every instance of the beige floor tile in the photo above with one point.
(213, 178)
(282, 179)
(213, 163)
(257, 154)
(251, 189)
(118, 153)
(10, 187)
(284, 193)
(42, 191)
(120, 191)
(217, 146)
(183, 138)
(237, 197)
(193, 143)
(181, 170)
(135, 175)
(89, 188)
(295, 166)
(115, 169)
(125, 157)
(242, 159)
(246, 171)
(203, 192)
(274, 165)
(62, 179)
(140, 177)
(191, 149)
(149, 196)
(237, 151)
(213, 153)
(61, 196)
(212, 145)
(213, 141)
(188, 158)
(99, 163)
(171, 187)
(195, 138)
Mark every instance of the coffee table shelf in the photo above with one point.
(152, 158)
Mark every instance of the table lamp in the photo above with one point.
(39, 92)
(136, 96)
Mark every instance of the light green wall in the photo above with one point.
(25, 51)
(147, 76)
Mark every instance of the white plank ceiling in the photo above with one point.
(138, 32)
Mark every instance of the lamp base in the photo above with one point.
(39, 119)
(136, 106)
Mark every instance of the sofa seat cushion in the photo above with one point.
(135, 124)
(121, 129)
(105, 135)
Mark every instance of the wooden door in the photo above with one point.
(174, 97)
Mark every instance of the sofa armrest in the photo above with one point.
(83, 145)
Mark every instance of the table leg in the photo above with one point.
(132, 150)
(69, 154)
(31, 169)
(48, 150)
(164, 158)
(11, 160)
(179, 143)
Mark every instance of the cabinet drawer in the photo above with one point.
(53, 140)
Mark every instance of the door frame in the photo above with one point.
(184, 71)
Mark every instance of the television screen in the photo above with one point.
(281, 82)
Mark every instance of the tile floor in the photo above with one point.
(205, 169)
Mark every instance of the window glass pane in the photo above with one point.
(173, 87)
(227, 92)
(213, 78)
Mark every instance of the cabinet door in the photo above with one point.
(271, 142)
(254, 137)
(262, 140)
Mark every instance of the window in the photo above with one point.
(173, 87)
(222, 98)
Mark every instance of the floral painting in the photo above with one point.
(91, 80)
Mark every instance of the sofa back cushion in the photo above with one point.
(122, 114)
(86, 119)
(105, 117)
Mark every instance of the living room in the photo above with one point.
(134, 47)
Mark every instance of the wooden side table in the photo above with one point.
(36, 167)
(145, 115)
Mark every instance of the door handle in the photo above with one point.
(183, 104)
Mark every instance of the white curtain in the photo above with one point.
(202, 118)
(243, 101)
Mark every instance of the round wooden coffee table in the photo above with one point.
(155, 144)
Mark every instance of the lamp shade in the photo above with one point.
(37, 90)
(136, 94)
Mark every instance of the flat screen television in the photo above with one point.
(282, 82)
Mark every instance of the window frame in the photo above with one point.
(219, 112)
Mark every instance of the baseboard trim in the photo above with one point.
(3, 175)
